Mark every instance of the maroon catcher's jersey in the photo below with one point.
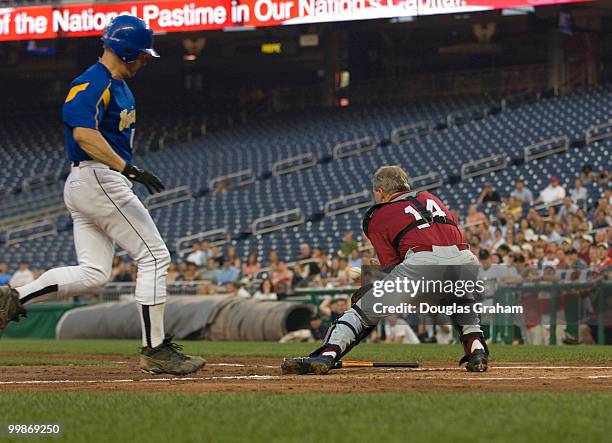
(392, 218)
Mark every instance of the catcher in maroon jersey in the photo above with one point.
(410, 231)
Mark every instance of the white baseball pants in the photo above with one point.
(105, 211)
(351, 324)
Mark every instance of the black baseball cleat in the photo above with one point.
(477, 361)
(167, 358)
(10, 307)
(318, 365)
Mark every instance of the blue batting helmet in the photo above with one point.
(127, 36)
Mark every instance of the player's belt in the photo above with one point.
(76, 164)
(427, 248)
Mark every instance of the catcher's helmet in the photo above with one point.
(127, 36)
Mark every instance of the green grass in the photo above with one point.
(413, 417)
(315, 418)
(277, 350)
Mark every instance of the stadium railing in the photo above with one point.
(545, 148)
(580, 303)
(167, 198)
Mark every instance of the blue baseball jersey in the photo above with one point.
(96, 100)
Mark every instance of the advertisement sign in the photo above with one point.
(81, 20)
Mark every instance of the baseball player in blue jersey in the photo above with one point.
(99, 118)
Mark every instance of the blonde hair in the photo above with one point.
(390, 179)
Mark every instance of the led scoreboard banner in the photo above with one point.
(81, 20)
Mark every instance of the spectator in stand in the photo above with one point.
(228, 272)
(553, 193)
(192, 273)
(602, 215)
(252, 266)
(603, 260)
(601, 219)
(212, 271)
(551, 232)
(474, 216)
(22, 276)
(579, 193)
(488, 195)
(348, 244)
(241, 290)
(343, 268)
(366, 257)
(552, 215)
(265, 291)
(503, 251)
(522, 193)
(311, 267)
(318, 329)
(517, 261)
(587, 175)
(123, 273)
(4, 275)
(572, 262)
(333, 308)
(134, 270)
(182, 268)
(322, 280)
(550, 258)
(355, 259)
(272, 260)
(498, 240)
(300, 273)
(585, 246)
(538, 258)
(173, 273)
(334, 268)
(603, 236)
(208, 250)
(282, 277)
(231, 254)
(324, 260)
(567, 208)
(215, 254)
(513, 208)
(198, 256)
(397, 330)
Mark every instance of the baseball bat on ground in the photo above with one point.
(374, 364)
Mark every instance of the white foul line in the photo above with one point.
(146, 380)
(277, 377)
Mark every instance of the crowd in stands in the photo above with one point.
(547, 234)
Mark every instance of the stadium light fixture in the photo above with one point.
(405, 19)
(517, 11)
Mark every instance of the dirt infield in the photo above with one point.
(115, 373)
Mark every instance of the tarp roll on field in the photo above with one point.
(253, 320)
(190, 317)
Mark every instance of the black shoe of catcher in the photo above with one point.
(318, 364)
(477, 361)
(10, 307)
(167, 358)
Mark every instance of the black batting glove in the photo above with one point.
(151, 181)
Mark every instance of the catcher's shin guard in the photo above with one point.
(478, 359)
